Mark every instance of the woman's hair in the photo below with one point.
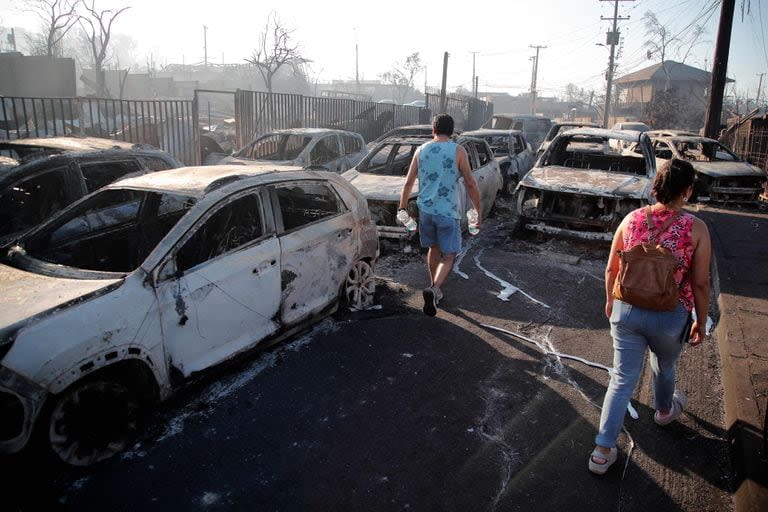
(672, 179)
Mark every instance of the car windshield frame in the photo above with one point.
(387, 167)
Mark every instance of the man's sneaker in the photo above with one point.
(678, 404)
(430, 303)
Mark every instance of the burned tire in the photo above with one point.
(359, 287)
(93, 421)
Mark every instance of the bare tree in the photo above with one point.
(97, 26)
(57, 17)
(402, 75)
(276, 49)
(660, 42)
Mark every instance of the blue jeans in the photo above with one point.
(633, 329)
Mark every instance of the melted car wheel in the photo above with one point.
(92, 422)
(360, 285)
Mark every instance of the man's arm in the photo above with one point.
(410, 179)
(462, 160)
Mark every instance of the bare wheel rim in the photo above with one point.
(93, 422)
(360, 285)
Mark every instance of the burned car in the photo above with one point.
(512, 152)
(558, 128)
(381, 176)
(534, 127)
(39, 177)
(318, 148)
(123, 297)
(583, 187)
(721, 176)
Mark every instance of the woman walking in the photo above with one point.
(663, 332)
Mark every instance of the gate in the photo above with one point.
(165, 124)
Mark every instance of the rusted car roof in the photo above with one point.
(485, 132)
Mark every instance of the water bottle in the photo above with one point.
(406, 220)
(472, 218)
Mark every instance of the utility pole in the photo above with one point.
(719, 69)
(357, 68)
(612, 39)
(477, 84)
(474, 90)
(534, 76)
(12, 38)
(759, 88)
(445, 83)
(205, 45)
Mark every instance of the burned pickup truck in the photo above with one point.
(583, 186)
(721, 176)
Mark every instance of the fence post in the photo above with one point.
(196, 127)
(80, 116)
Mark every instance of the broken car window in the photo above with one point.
(112, 231)
(597, 153)
(326, 150)
(276, 146)
(100, 174)
(232, 226)
(352, 145)
(29, 202)
(390, 160)
(305, 202)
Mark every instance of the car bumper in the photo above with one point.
(584, 235)
(20, 403)
(395, 233)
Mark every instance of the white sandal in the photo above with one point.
(609, 458)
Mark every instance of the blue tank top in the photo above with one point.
(438, 179)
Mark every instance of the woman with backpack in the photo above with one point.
(663, 329)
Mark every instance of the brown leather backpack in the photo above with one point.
(646, 276)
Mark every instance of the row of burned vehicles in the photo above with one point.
(124, 276)
(579, 182)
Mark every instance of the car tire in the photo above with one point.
(359, 286)
(92, 422)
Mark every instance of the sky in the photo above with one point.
(499, 33)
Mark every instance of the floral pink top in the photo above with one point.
(677, 239)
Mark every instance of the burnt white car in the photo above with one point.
(124, 296)
(318, 148)
(513, 153)
(582, 186)
(381, 176)
(721, 176)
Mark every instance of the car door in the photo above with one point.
(486, 173)
(219, 291)
(316, 244)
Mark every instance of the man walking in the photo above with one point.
(438, 165)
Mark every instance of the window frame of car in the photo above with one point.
(168, 268)
(317, 140)
(359, 143)
(277, 211)
(96, 160)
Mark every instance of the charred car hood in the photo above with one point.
(583, 181)
(379, 188)
(25, 294)
(727, 169)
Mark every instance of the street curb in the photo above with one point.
(744, 435)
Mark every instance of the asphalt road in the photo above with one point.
(391, 410)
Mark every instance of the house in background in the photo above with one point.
(636, 92)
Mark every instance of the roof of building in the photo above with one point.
(677, 72)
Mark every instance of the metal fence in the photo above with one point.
(260, 112)
(468, 113)
(166, 124)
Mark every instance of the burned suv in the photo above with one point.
(582, 186)
(39, 177)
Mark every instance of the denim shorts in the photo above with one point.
(440, 230)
